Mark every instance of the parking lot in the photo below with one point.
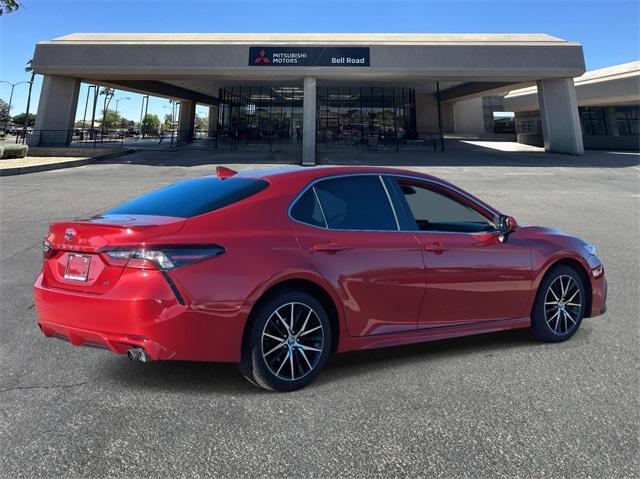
(498, 405)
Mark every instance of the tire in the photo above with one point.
(278, 358)
(560, 305)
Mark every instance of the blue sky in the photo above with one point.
(608, 30)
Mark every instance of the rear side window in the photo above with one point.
(307, 210)
(356, 203)
(191, 197)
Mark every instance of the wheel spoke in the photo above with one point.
(310, 331)
(291, 362)
(551, 318)
(291, 327)
(283, 362)
(275, 348)
(566, 326)
(554, 293)
(301, 351)
(569, 316)
(283, 322)
(281, 340)
(304, 325)
(309, 348)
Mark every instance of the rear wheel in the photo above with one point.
(288, 344)
(560, 305)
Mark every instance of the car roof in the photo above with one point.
(312, 173)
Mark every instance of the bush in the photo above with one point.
(1, 151)
(14, 151)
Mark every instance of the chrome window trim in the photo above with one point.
(324, 217)
(392, 175)
(393, 208)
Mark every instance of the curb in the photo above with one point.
(21, 170)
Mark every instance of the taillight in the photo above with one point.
(47, 251)
(160, 257)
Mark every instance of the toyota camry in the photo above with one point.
(275, 270)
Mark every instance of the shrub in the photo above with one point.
(1, 151)
(14, 151)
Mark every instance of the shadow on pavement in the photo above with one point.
(213, 378)
(457, 153)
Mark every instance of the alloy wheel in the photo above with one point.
(563, 305)
(292, 341)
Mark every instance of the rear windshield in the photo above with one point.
(191, 197)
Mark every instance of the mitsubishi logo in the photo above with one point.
(262, 58)
(69, 235)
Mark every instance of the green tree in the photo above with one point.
(4, 111)
(202, 123)
(150, 124)
(108, 95)
(168, 122)
(20, 119)
(114, 120)
(8, 6)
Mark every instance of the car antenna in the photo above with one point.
(223, 172)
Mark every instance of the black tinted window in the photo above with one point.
(308, 210)
(191, 197)
(434, 211)
(356, 203)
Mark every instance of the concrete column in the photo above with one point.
(56, 111)
(559, 116)
(186, 120)
(213, 121)
(309, 122)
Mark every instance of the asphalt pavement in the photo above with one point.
(499, 405)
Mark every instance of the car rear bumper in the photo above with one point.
(156, 322)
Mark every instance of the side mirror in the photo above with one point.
(507, 224)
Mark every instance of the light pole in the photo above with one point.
(86, 104)
(145, 100)
(13, 85)
(118, 100)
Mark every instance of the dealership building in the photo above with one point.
(317, 89)
(608, 106)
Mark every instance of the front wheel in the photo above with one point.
(560, 305)
(288, 344)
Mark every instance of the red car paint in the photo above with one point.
(387, 288)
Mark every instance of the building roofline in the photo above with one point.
(311, 39)
(605, 74)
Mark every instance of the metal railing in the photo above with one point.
(78, 138)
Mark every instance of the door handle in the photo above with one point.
(330, 248)
(436, 248)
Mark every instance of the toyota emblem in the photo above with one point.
(69, 235)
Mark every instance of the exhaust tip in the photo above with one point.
(139, 354)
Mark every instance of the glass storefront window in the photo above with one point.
(263, 114)
(592, 120)
(354, 116)
(347, 116)
(628, 120)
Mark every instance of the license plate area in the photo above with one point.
(77, 268)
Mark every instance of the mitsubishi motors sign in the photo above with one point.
(309, 56)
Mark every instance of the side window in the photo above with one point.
(307, 210)
(435, 211)
(356, 203)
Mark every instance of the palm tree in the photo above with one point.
(108, 95)
(29, 69)
(8, 6)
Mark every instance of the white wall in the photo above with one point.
(468, 116)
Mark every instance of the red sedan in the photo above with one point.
(274, 270)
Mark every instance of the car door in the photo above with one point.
(473, 273)
(348, 230)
